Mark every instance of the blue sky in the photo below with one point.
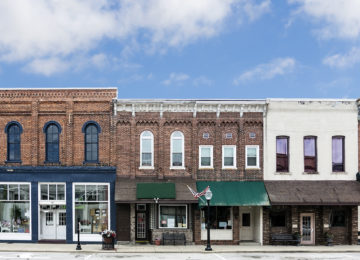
(184, 48)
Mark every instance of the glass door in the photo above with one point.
(307, 228)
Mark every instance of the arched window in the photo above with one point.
(177, 149)
(147, 149)
(52, 131)
(91, 130)
(13, 130)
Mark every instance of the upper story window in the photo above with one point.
(252, 156)
(338, 143)
(147, 149)
(177, 150)
(52, 131)
(229, 156)
(282, 154)
(13, 130)
(310, 154)
(91, 130)
(205, 156)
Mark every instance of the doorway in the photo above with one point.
(246, 224)
(52, 223)
(307, 223)
(141, 232)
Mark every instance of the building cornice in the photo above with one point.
(189, 106)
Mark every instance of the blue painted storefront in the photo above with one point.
(68, 175)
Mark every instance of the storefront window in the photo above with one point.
(91, 206)
(173, 217)
(15, 208)
(337, 218)
(220, 218)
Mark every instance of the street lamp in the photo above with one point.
(208, 196)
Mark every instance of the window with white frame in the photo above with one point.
(92, 207)
(229, 156)
(52, 191)
(15, 208)
(146, 149)
(205, 156)
(252, 156)
(177, 150)
(171, 216)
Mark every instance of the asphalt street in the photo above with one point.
(180, 256)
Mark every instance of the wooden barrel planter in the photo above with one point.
(108, 243)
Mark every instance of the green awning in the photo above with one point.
(155, 190)
(235, 193)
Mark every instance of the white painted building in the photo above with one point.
(310, 166)
(320, 118)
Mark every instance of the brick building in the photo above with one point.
(163, 146)
(55, 164)
(311, 161)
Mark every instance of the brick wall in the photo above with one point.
(71, 108)
(129, 128)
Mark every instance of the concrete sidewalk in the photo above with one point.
(96, 248)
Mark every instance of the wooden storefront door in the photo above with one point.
(307, 222)
(123, 222)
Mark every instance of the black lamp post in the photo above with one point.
(78, 247)
(208, 196)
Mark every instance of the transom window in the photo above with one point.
(338, 143)
(91, 142)
(52, 192)
(13, 131)
(147, 149)
(310, 156)
(205, 156)
(52, 143)
(177, 150)
(229, 156)
(252, 156)
(282, 154)
(172, 216)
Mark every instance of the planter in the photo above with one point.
(157, 242)
(329, 241)
(108, 243)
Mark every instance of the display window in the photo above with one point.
(220, 217)
(91, 206)
(171, 216)
(15, 211)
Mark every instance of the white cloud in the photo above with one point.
(343, 60)
(202, 81)
(50, 29)
(336, 18)
(255, 11)
(176, 79)
(276, 67)
(47, 67)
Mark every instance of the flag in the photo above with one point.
(198, 194)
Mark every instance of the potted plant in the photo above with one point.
(297, 236)
(108, 239)
(329, 238)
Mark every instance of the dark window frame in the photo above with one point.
(307, 168)
(336, 216)
(85, 129)
(46, 129)
(13, 142)
(280, 157)
(336, 167)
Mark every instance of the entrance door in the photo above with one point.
(246, 224)
(123, 222)
(141, 223)
(307, 228)
(53, 224)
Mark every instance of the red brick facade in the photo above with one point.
(71, 108)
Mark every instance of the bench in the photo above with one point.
(284, 238)
(174, 239)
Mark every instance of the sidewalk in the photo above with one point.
(96, 248)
